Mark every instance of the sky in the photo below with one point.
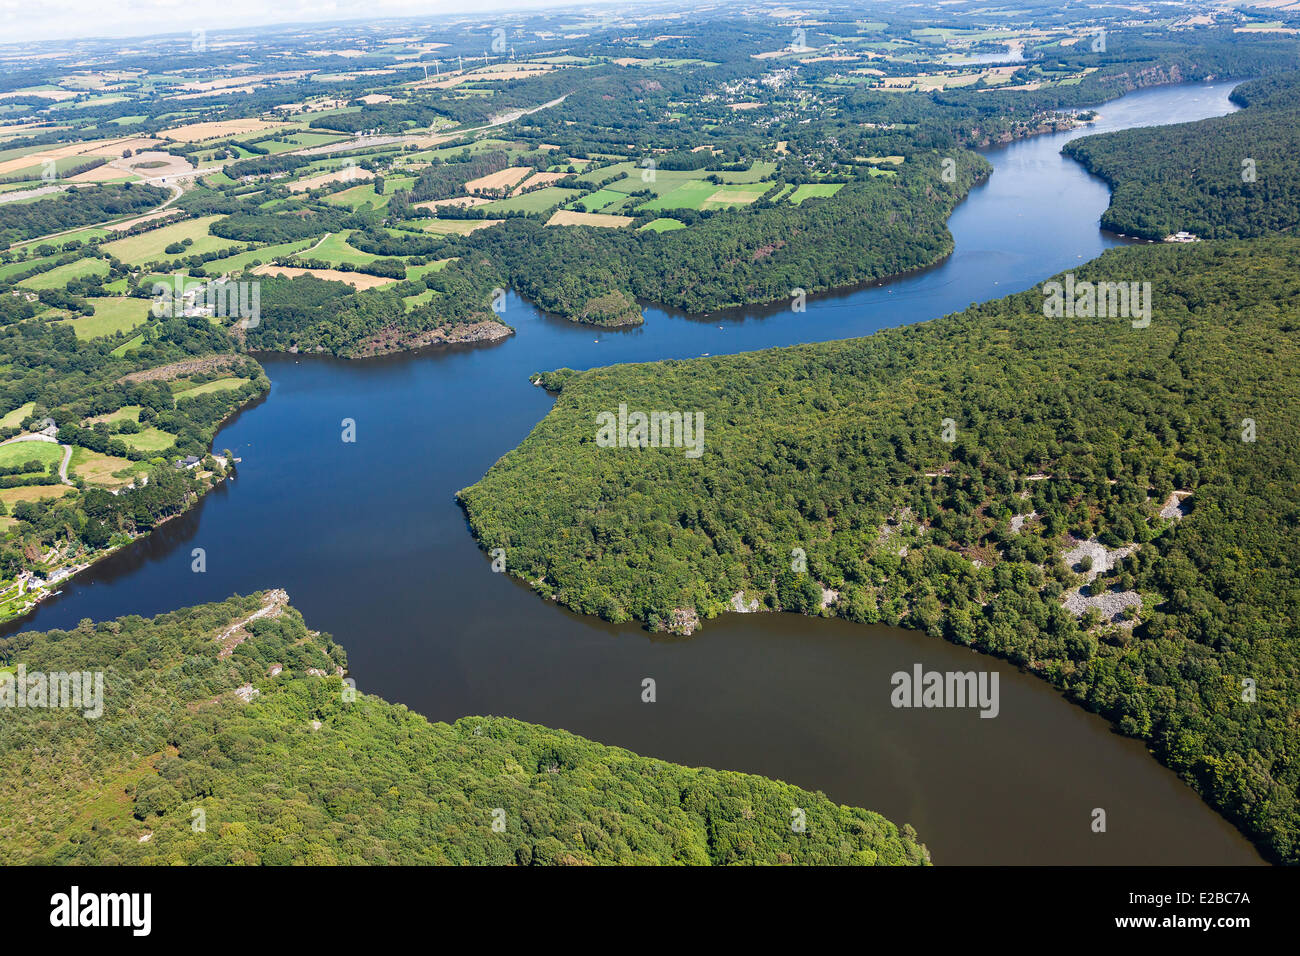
(25, 20)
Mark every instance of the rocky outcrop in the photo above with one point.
(392, 339)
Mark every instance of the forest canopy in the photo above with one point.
(1228, 177)
(1063, 430)
(249, 721)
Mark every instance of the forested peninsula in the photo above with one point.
(1115, 510)
(228, 735)
(1230, 177)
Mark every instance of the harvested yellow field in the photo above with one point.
(494, 71)
(239, 81)
(25, 127)
(96, 148)
(56, 95)
(513, 70)
(498, 182)
(224, 91)
(197, 132)
(100, 174)
(436, 139)
(358, 280)
(146, 164)
(460, 202)
(567, 217)
(97, 469)
(458, 227)
(346, 174)
(11, 496)
(537, 179)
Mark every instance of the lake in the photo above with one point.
(370, 544)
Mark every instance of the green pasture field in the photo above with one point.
(21, 452)
(15, 418)
(243, 260)
(334, 249)
(150, 245)
(691, 194)
(813, 190)
(599, 200)
(59, 276)
(149, 439)
(539, 200)
(115, 314)
(189, 390)
(662, 225)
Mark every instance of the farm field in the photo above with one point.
(813, 191)
(539, 200)
(358, 280)
(734, 196)
(103, 470)
(15, 418)
(419, 272)
(567, 217)
(663, 225)
(207, 388)
(10, 269)
(18, 453)
(59, 276)
(445, 227)
(243, 260)
(419, 299)
(11, 496)
(149, 439)
(503, 180)
(692, 194)
(336, 175)
(460, 202)
(357, 196)
(334, 249)
(152, 245)
(598, 200)
(117, 314)
(127, 346)
(198, 132)
(125, 413)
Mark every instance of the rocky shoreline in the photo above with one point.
(392, 340)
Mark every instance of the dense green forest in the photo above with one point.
(1229, 177)
(1082, 427)
(76, 207)
(870, 229)
(308, 771)
(314, 315)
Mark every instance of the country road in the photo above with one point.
(176, 188)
